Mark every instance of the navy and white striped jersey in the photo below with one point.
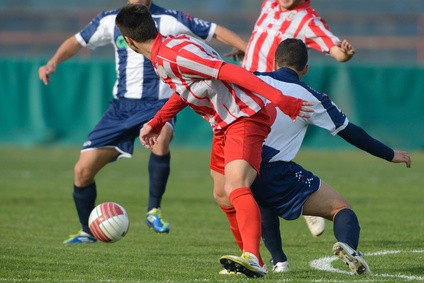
(286, 136)
(135, 76)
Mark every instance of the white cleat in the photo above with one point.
(280, 267)
(315, 224)
(354, 259)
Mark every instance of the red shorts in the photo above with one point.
(241, 140)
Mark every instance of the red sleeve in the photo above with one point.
(241, 77)
(174, 105)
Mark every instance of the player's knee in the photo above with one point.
(340, 206)
(221, 198)
(162, 146)
(83, 175)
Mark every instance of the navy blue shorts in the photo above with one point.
(121, 124)
(284, 187)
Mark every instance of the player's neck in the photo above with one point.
(145, 48)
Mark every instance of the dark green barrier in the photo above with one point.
(385, 100)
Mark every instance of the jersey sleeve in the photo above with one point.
(173, 22)
(327, 115)
(171, 108)
(98, 32)
(195, 27)
(318, 35)
(198, 63)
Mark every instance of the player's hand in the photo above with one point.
(237, 54)
(347, 47)
(147, 137)
(402, 157)
(44, 73)
(305, 111)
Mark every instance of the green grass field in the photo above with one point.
(38, 213)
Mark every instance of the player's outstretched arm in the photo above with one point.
(343, 51)
(230, 38)
(293, 107)
(402, 157)
(358, 137)
(66, 50)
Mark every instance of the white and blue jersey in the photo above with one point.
(284, 186)
(135, 76)
(138, 92)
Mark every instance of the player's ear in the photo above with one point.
(305, 70)
(130, 43)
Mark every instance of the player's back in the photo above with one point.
(286, 136)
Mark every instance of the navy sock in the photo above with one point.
(346, 228)
(84, 199)
(271, 235)
(159, 168)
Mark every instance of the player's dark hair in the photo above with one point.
(136, 22)
(292, 53)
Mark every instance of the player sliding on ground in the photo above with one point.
(286, 189)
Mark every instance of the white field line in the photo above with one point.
(324, 264)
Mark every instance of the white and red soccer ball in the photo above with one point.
(108, 222)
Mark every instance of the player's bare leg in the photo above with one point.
(328, 203)
(89, 164)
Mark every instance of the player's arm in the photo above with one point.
(228, 37)
(150, 132)
(291, 106)
(361, 139)
(66, 50)
(343, 51)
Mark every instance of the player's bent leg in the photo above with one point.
(239, 176)
(90, 162)
(325, 202)
(85, 191)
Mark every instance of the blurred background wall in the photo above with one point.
(381, 88)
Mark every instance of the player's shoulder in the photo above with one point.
(108, 13)
(158, 11)
(289, 83)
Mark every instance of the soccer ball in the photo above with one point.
(108, 222)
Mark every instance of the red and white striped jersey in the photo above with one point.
(191, 67)
(274, 25)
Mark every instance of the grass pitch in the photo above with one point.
(38, 213)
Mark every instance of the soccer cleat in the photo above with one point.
(154, 221)
(315, 224)
(354, 259)
(247, 264)
(80, 238)
(280, 267)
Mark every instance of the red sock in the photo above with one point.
(231, 215)
(248, 219)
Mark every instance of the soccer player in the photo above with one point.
(227, 96)
(138, 94)
(281, 19)
(286, 189)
